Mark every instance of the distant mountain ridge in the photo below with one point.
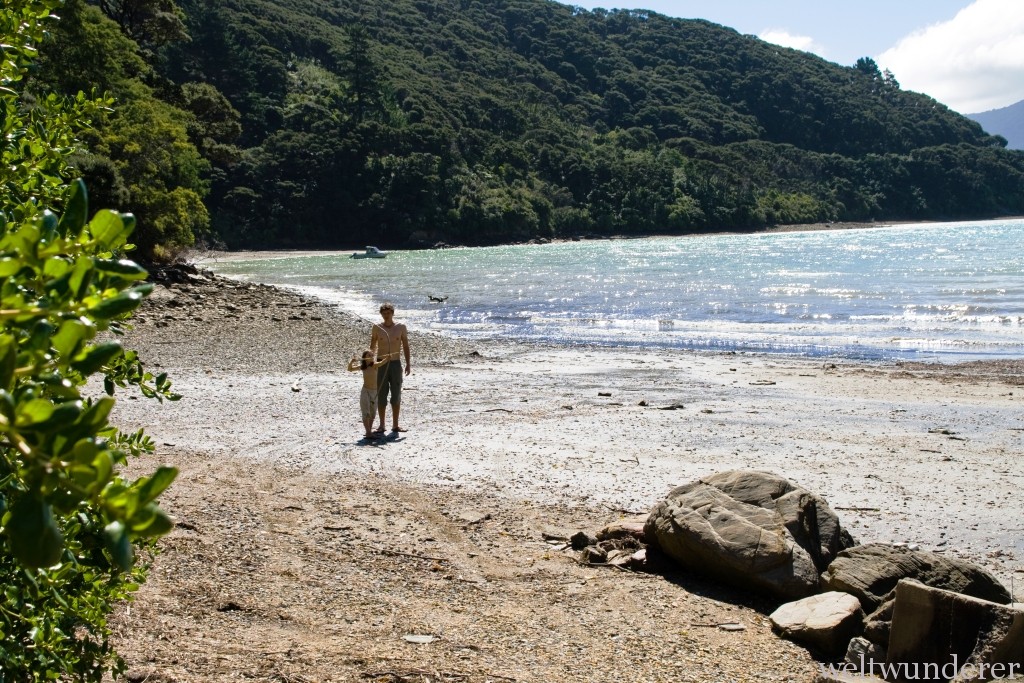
(1008, 122)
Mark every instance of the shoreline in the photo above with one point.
(200, 256)
(924, 334)
(508, 441)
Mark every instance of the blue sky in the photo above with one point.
(968, 54)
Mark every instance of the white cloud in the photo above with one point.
(778, 36)
(971, 63)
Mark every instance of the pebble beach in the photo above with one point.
(306, 553)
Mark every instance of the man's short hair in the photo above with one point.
(387, 306)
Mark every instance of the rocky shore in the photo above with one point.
(305, 554)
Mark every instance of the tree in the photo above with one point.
(150, 23)
(363, 75)
(70, 524)
(889, 79)
(144, 140)
(147, 140)
(868, 67)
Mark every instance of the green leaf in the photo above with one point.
(122, 267)
(124, 302)
(81, 276)
(8, 361)
(70, 336)
(109, 229)
(85, 451)
(151, 521)
(96, 357)
(76, 210)
(96, 415)
(156, 483)
(10, 265)
(36, 411)
(115, 537)
(63, 416)
(34, 537)
(42, 331)
(56, 267)
(48, 225)
(103, 463)
(7, 406)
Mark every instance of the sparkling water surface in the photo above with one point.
(939, 292)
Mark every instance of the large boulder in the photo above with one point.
(826, 621)
(872, 571)
(956, 636)
(755, 530)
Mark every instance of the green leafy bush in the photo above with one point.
(69, 524)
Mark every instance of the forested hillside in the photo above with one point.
(412, 122)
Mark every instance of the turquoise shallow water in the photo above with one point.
(946, 292)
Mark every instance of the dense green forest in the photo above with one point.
(331, 123)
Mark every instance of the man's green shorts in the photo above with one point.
(389, 378)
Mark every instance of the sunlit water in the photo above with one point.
(946, 292)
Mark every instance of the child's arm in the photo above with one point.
(354, 364)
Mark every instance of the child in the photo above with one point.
(368, 397)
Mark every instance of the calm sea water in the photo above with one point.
(945, 292)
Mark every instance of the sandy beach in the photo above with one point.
(303, 553)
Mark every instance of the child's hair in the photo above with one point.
(365, 364)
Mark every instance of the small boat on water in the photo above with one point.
(371, 252)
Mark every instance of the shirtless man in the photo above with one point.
(385, 339)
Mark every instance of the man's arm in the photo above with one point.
(405, 349)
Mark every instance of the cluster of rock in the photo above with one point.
(179, 273)
(888, 610)
(618, 545)
(197, 294)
